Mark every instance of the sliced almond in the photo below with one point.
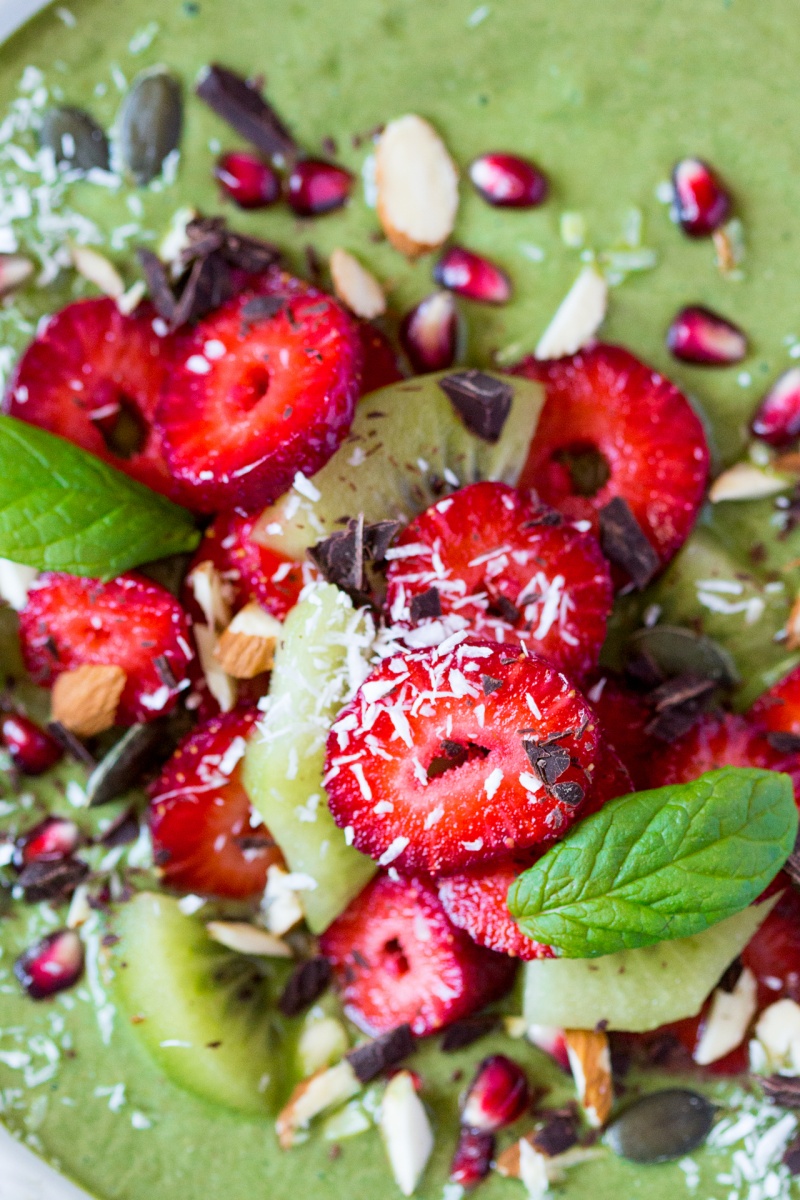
(247, 647)
(356, 286)
(15, 583)
(284, 908)
(327, 1087)
(746, 481)
(220, 684)
(98, 269)
(15, 270)
(793, 626)
(406, 1130)
(778, 1032)
(245, 938)
(208, 589)
(85, 700)
(322, 1042)
(510, 1161)
(129, 301)
(417, 184)
(533, 1170)
(728, 1020)
(577, 318)
(590, 1063)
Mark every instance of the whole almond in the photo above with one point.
(85, 700)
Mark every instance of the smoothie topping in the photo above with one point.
(315, 187)
(777, 419)
(52, 965)
(430, 332)
(355, 286)
(417, 184)
(472, 276)
(702, 202)
(86, 698)
(590, 1063)
(578, 317)
(247, 179)
(483, 402)
(243, 106)
(698, 335)
(150, 124)
(508, 181)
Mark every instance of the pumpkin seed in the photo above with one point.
(125, 763)
(75, 138)
(679, 651)
(662, 1126)
(150, 123)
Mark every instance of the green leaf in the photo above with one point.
(63, 509)
(658, 865)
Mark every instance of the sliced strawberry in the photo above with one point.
(93, 376)
(380, 366)
(651, 445)
(778, 710)
(773, 954)
(129, 622)
(449, 757)
(205, 836)
(399, 960)
(624, 716)
(510, 569)
(262, 389)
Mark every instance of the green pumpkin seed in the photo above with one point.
(662, 1126)
(75, 138)
(150, 123)
(679, 651)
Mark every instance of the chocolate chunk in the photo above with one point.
(481, 401)
(490, 684)
(568, 793)
(501, 606)
(783, 741)
(426, 604)
(623, 542)
(306, 984)
(373, 1058)
(378, 537)
(558, 1133)
(208, 285)
(464, 1033)
(123, 831)
(73, 745)
(244, 108)
(53, 881)
(139, 748)
(248, 253)
(782, 1089)
(261, 308)
(342, 556)
(549, 760)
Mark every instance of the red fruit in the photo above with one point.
(702, 202)
(399, 960)
(129, 622)
(429, 333)
(52, 839)
(459, 755)
(247, 179)
(93, 376)
(472, 1160)
(201, 822)
(551, 1041)
(380, 366)
(698, 335)
(773, 954)
(497, 1096)
(604, 402)
(473, 276)
(254, 397)
(689, 1032)
(778, 709)
(53, 964)
(624, 716)
(778, 418)
(33, 751)
(316, 187)
(509, 569)
(508, 181)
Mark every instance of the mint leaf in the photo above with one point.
(62, 509)
(661, 864)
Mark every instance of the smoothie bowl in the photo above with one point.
(399, 554)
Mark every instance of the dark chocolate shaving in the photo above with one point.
(373, 1058)
(671, 725)
(208, 285)
(481, 401)
(73, 745)
(161, 664)
(426, 604)
(306, 984)
(624, 543)
(452, 749)
(490, 684)
(139, 748)
(792, 864)
(464, 1033)
(545, 516)
(549, 761)
(782, 1089)
(558, 1133)
(123, 831)
(342, 556)
(783, 741)
(244, 108)
(791, 1156)
(158, 285)
(261, 308)
(53, 881)
(501, 606)
(568, 793)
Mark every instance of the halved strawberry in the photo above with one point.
(380, 366)
(459, 755)
(624, 716)
(778, 710)
(773, 954)
(205, 836)
(510, 568)
(129, 622)
(399, 960)
(94, 376)
(262, 389)
(605, 404)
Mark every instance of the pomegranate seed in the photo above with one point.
(247, 179)
(698, 335)
(429, 333)
(52, 839)
(469, 274)
(473, 1157)
(497, 1096)
(778, 418)
(552, 1041)
(702, 202)
(53, 964)
(507, 181)
(317, 187)
(33, 751)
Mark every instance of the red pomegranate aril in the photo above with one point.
(52, 965)
(508, 181)
(247, 179)
(497, 1096)
(698, 335)
(315, 187)
(473, 1157)
(429, 333)
(778, 418)
(702, 202)
(473, 276)
(52, 839)
(33, 751)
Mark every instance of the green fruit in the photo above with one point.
(406, 447)
(284, 762)
(206, 1015)
(637, 990)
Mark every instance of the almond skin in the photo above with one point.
(85, 700)
(417, 183)
(590, 1062)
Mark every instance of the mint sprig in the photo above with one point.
(63, 509)
(661, 864)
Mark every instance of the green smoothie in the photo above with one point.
(605, 98)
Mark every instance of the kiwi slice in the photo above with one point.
(208, 1016)
(407, 447)
(637, 990)
(284, 763)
